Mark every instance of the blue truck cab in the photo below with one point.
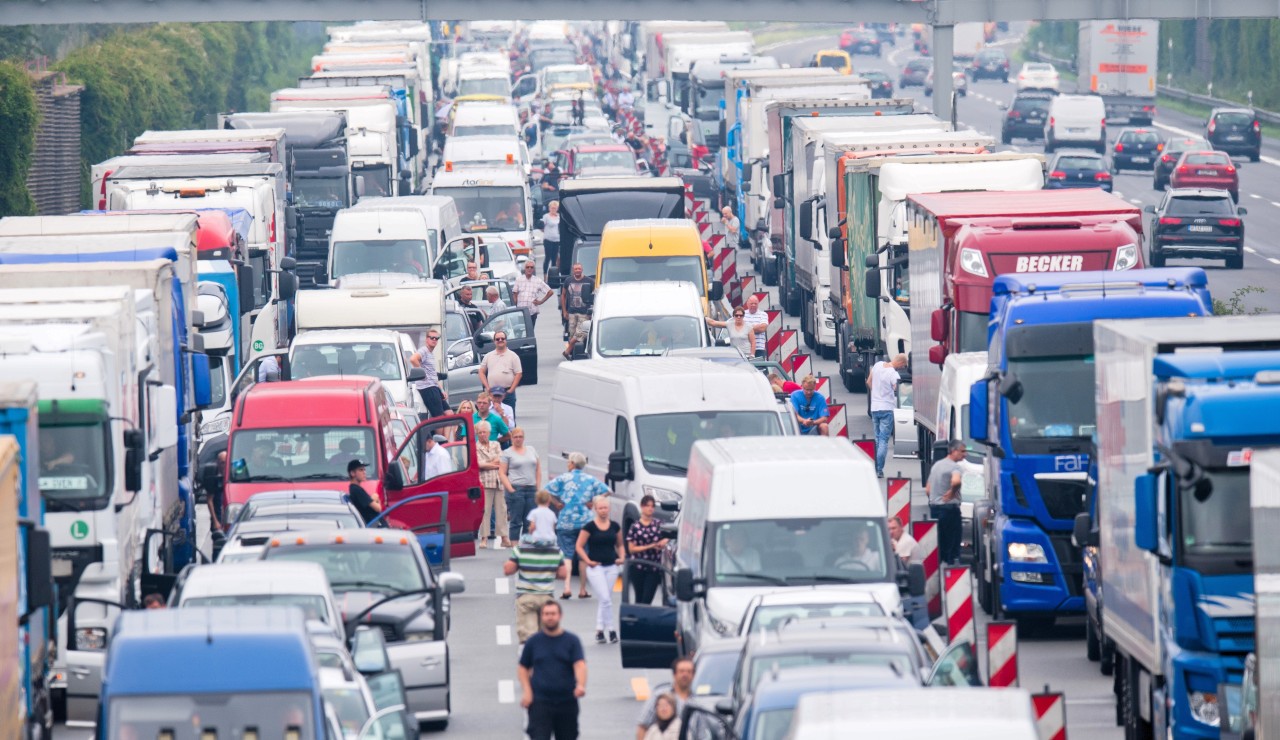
(1034, 411)
(212, 672)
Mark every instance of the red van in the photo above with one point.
(301, 434)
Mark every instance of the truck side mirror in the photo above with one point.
(724, 135)
(685, 586)
(978, 411)
(837, 252)
(210, 476)
(134, 453)
(1011, 387)
(620, 466)
(780, 186)
(779, 203)
(938, 354)
(748, 169)
(1144, 513)
(164, 407)
(39, 573)
(287, 285)
(806, 220)
(833, 233)
(201, 380)
(938, 326)
(915, 579)
(872, 260)
(359, 186)
(246, 282)
(717, 290)
(1082, 534)
(417, 373)
(871, 284)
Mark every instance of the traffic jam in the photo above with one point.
(834, 404)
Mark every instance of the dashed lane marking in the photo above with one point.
(1255, 196)
(1136, 200)
(507, 691)
(1275, 203)
(1250, 250)
(640, 687)
(1273, 260)
(503, 633)
(501, 586)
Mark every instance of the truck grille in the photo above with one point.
(1070, 559)
(1063, 499)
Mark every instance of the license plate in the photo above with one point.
(1208, 173)
(1235, 138)
(1199, 229)
(1075, 130)
(1140, 160)
(61, 568)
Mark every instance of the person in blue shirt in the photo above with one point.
(810, 407)
(574, 491)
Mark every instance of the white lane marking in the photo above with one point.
(1273, 260)
(1250, 250)
(1255, 196)
(501, 586)
(1117, 193)
(1275, 203)
(504, 633)
(507, 692)
(1136, 200)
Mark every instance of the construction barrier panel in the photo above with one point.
(898, 498)
(1051, 715)
(959, 601)
(837, 421)
(926, 533)
(1002, 654)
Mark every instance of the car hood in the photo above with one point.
(397, 612)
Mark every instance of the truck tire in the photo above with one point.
(983, 572)
(1107, 662)
(769, 271)
(1155, 259)
(1092, 643)
(828, 353)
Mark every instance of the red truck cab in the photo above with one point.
(301, 434)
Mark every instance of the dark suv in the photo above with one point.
(1235, 131)
(1025, 117)
(1135, 149)
(990, 63)
(1173, 149)
(1197, 223)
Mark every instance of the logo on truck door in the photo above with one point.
(1050, 263)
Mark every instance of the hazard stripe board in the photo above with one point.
(958, 598)
(868, 447)
(926, 533)
(764, 300)
(1051, 715)
(1002, 654)
(898, 499)
(837, 422)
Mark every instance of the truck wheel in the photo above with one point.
(984, 575)
(769, 271)
(1092, 645)
(828, 353)
(1107, 662)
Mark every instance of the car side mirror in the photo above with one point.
(717, 290)
(686, 586)
(452, 583)
(485, 337)
(915, 579)
(1149, 209)
(1241, 211)
(394, 479)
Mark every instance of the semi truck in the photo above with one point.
(1181, 406)
(1117, 60)
(1038, 421)
(871, 192)
(27, 609)
(704, 94)
(960, 242)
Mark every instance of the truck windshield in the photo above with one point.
(377, 180)
(351, 567)
(589, 160)
(631, 269)
(1216, 533)
(320, 192)
(789, 552)
(707, 102)
(666, 439)
(379, 360)
(380, 255)
(293, 454)
(266, 715)
(488, 208)
(74, 474)
(484, 86)
(1056, 404)
(626, 336)
(568, 77)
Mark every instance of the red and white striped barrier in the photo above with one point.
(926, 533)
(837, 421)
(1051, 715)
(1002, 654)
(898, 498)
(958, 597)
(743, 287)
(764, 300)
(868, 447)
(780, 345)
(799, 365)
(724, 262)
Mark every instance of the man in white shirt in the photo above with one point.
(755, 316)
(904, 545)
(736, 556)
(493, 303)
(531, 291)
(882, 384)
(507, 413)
(436, 461)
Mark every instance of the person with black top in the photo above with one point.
(553, 677)
(368, 506)
(645, 541)
(600, 548)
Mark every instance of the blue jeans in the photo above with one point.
(882, 423)
(519, 505)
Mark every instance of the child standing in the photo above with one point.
(542, 520)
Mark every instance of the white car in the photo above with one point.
(1038, 76)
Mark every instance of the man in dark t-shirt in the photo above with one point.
(367, 505)
(553, 676)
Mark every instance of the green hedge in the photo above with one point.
(19, 116)
(175, 76)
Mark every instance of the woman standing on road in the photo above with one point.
(521, 474)
(645, 542)
(742, 336)
(600, 547)
(489, 454)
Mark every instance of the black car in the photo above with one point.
(1076, 169)
(881, 84)
(1235, 131)
(1136, 149)
(915, 72)
(864, 41)
(1197, 223)
(1026, 116)
(990, 64)
(884, 32)
(1173, 149)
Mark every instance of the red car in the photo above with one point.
(1206, 169)
(597, 160)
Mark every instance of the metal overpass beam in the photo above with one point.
(943, 53)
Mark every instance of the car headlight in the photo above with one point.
(1026, 552)
(1204, 707)
(1126, 257)
(219, 425)
(971, 262)
(91, 638)
(722, 627)
(661, 495)
(233, 513)
(462, 359)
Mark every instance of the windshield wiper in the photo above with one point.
(318, 476)
(257, 478)
(754, 577)
(665, 465)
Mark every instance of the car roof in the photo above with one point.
(363, 536)
(1077, 153)
(272, 525)
(1248, 111)
(256, 577)
(1138, 130)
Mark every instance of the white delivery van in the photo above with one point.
(377, 353)
(470, 152)
(1076, 121)
(484, 118)
(373, 241)
(646, 317)
(440, 213)
(483, 83)
(637, 418)
(492, 202)
(909, 714)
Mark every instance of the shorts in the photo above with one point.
(575, 321)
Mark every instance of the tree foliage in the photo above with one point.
(19, 116)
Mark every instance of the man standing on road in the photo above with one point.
(810, 407)
(904, 545)
(574, 294)
(754, 316)
(531, 291)
(944, 501)
(536, 565)
(493, 302)
(501, 430)
(502, 367)
(500, 408)
(553, 677)
(681, 689)
(882, 384)
(429, 387)
(732, 228)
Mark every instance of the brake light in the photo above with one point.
(272, 236)
(1166, 158)
(1231, 169)
(1119, 147)
(1169, 221)
(1257, 126)
(1015, 114)
(1160, 146)
(1057, 175)
(1051, 123)
(1212, 126)
(1183, 169)
(1233, 222)
(1102, 175)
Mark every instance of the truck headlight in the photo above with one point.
(1204, 707)
(971, 262)
(661, 495)
(1126, 257)
(219, 425)
(91, 638)
(1026, 552)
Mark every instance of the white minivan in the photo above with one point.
(636, 419)
(396, 235)
(646, 317)
(1076, 121)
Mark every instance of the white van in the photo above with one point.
(646, 317)
(763, 514)
(493, 202)
(467, 152)
(484, 118)
(637, 418)
(372, 241)
(439, 214)
(1076, 121)
(377, 353)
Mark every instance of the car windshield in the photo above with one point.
(1235, 119)
(666, 439)
(339, 516)
(456, 327)
(874, 75)
(319, 192)
(1205, 158)
(627, 336)
(1181, 145)
(312, 605)
(379, 360)
(791, 552)
(73, 461)
(1139, 137)
(1080, 163)
(769, 618)
(354, 567)
(293, 454)
(707, 101)
(832, 61)
(1039, 67)
(1218, 527)
(263, 714)
(919, 65)
(713, 674)
(484, 86)
(622, 159)
(632, 269)
(489, 208)
(380, 255)
(348, 704)
(1056, 402)
(812, 656)
(1194, 206)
